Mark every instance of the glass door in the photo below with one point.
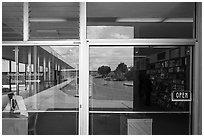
(140, 59)
(131, 90)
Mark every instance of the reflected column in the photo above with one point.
(10, 76)
(35, 65)
(56, 76)
(49, 72)
(44, 72)
(59, 74)
(38, 74)
(29, 70)
(17, 70)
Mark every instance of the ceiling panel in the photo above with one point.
(140, 9)
(54, 20)
(12, 21)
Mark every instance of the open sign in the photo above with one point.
(181, 95)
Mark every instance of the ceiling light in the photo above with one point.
(163, 47)
(154, 20)
(140, 56)
(47, 20)
(139, 19)
(178, 20)
(49, 31)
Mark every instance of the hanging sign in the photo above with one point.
(181, 95)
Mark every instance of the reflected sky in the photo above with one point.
(99, 56)
(110, 32)
(109, 56)
(69, 53)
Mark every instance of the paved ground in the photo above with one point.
(112, 95)
(111, 90)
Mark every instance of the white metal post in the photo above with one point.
(197, 73)
(25, 21)
(83, 75)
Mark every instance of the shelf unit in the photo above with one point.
(168, 75)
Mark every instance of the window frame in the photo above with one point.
(84, 45)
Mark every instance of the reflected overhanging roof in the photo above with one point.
(44, 52)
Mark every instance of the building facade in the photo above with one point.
(92, 68)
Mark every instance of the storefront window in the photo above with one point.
(139, 79)
(46, 79)
(40, 70)
(139, 65)
(132, 79)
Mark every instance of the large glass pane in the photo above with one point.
(149, 20)
(46, 79)
(140, 79)
(132, 88)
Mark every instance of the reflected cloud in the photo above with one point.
(69, 53)
(110, 56)
(110, 32)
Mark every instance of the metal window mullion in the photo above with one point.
(140, 42)
(100, 42)
(25, 21)
(197, 71)
(42, 43)
(139, 112)
(83, 75)
(196, 90)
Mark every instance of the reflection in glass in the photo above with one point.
(46, 76)
(110, 32)
(139, 79)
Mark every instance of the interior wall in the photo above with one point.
(164, 30)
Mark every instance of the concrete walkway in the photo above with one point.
(51, 98)
(54, 98)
